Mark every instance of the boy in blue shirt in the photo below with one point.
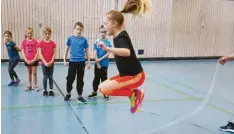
(79, 51)
(102, 62)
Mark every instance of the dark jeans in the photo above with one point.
(76, 69)
(12, 65)
(99, 74)
(48, 74)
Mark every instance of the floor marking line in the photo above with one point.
(90, 103)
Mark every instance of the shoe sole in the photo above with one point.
(92, 97)
(81, 102)
(107, 99)
(45, 94)
(36, 89)
(16, 84)
(227, 130)
(27, 90)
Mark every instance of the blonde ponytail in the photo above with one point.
(137, 7)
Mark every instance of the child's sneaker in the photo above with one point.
(17, 82)
(28, 88)
(136, 100)
(51, 93)
(81, 100)
(45, 93)
(11, 83)
(68, 96)
(228, 128)
(93, 94)
(36, 89)
(106, 97)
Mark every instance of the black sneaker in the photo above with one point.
(17, 82)
(51, 93)
(106, 97)
(81, 100)
(45, 93)
(68, 96)
(228, 128)
(11, 83)
(93, 94)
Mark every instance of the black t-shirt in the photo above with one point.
(127, 66)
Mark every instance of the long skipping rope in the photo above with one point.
(189, 115)
(77, 117)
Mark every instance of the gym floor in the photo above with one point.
(172, 89)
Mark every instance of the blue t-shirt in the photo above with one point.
(101, 52)
(13, 53)
(77, 48)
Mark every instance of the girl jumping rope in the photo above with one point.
(131, 74)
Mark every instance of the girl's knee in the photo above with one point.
(29, 73)
(34, 73)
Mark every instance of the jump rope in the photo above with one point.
(189, 115)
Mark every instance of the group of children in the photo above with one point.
(31, 50)
(79, 52)
(45, 50)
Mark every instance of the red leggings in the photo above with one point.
(121, 86)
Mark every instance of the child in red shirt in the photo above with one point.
(47, 53)
(29, 50)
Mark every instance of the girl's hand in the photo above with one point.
(97, 61)
(28, 62)
(50, 63)
(46, 64)
(32, 61)
(65, 63)
(222, 60)
(102, 45)
(89, 66)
